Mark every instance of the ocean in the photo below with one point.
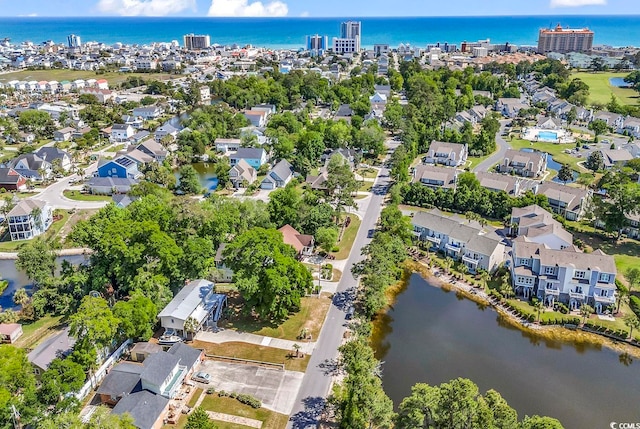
(290, 32)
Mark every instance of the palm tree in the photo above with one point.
(505, 289)
(632, 275)
(538, 305)
(448, 263)
(632, 321)
(191, 326)
(296, 347)
(585, 311)
(623, 297)
(485, 277)
(20, 297)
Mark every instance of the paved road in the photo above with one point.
(498, 155)
(316, 382)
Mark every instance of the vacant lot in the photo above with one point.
(600, 89)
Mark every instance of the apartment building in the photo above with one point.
(526, 164)
(564, 40)
(477, 246)
(451, 154)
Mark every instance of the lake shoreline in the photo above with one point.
(9, 256)
(551, 333)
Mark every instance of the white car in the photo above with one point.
(201, 377)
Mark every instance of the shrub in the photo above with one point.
(211, 391)
(249, 400)
(634, 303)
(562, 308)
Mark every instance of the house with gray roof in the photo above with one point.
(195, 300)
(563, 275)
(477, 246)
(30, 166)
(242, 174)
(539, 226)
(146, 409)
(435, 177)
(615, 157)
(450, 154)
(58, 345)
(567, 201)
(29, 219)
(255, 157)
(123, 379)
(148, 112)
(526, 164)
(495, 182)
(54, 155)
(279, 176)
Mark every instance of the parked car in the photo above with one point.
(201, 377)
(349, 314)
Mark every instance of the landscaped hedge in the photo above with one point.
(634, 303)
(616, 333)
(242, 398)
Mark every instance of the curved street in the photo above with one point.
(498, 155)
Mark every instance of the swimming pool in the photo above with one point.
(548, 136)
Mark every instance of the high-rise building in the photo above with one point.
(349, 40)
(196, 41)
(317, 44)
(563, 40)
(73, 41)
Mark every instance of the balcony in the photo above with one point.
(470, 260)
(576, 295)
(434, 240)
(453, 248)
(579, 281)
(605, 299)
(550, 290)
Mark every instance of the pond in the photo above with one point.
(432, 336)
(555, 166)
(18, 279)
(618, 82)
(208, 180)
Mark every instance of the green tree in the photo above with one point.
(595, 161)
(623, 201)
(63, 376)
(190, 327)
(20, 297)
(267, 274)
(137, 316)
(565, 174)
(36, 121)
(189, 182)
(17, 381)
(284, 206)
(199, 419)
(633, 322)
(93, 326)
(340, 183)
(37, 259)
(632, 275)
(585, 311)
(538, 422)
(326, 238)
(599, 127)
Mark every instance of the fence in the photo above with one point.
(102, 371)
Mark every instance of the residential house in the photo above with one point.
(495, 182)
(548, 123)
(510, 107)
(10, 332)
(278, 176)
(140, 136)
(633, 148)
(121, 132)
(254, 131)
(258, 118)
(29, 218)
(146, 409)
(11, 180)
(242, 174)
(58, 345)
(63, 134)
(344, 112)
(141, 350)
(122, 167)
(195, 300)
(166, 131)
(222, 273)
(110, 185)
(303, 243)
(566, 201)
(122, 200)
(539, 226)
(135, 121)
(148, 112)
(102, 95)
(478, 247)
(153, 149)
(137, 156)
(526, 164)
(631, 126)
(566, 275)
(227, 145)
(122, 380)
(350, 156)
(319, 182)
(613, 120)
(54, 156)
(615, 157)
(31, 166)
(451, 154)
(164, 372)
(435, 177)
(255, 157)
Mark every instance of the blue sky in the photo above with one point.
(314, 8)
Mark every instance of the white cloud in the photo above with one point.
(577, 3)
(248, 8)
(145, 7)
(305, 14)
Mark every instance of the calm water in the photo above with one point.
(555, 166)
(291, 32)
(619, 82)
(17, 279)
(432, 336)
(208, 180)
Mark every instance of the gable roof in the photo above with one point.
(143, 406)
(9, 176)
(248, 153)
(157, 367)
(282, 170)
(187, 300)
(293, 238)
(187, 355)
(60, 344)
(25, 207)
(121, 380)
(49, 153)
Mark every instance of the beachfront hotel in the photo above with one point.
(196, 41)
(349, 40)
(564, 40)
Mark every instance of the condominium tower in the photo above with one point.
(349, 40)
(196, 41)
(563, 40)
(317, 44)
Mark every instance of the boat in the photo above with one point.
(169, 337)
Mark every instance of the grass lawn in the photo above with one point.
(348, 238)
(367, 173)
(365, 186)
(600, 89)
(311, 316)
(114, 78)
(626, 252)
(78, 196)
(554, 149)
(56, 226)
(472, 161)
(35, 332)
(269, 419)
(255, 352)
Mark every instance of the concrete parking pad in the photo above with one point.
(276, 389)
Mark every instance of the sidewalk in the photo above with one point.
(228, 336)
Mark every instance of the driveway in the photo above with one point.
(276, 389)
(498, 155)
